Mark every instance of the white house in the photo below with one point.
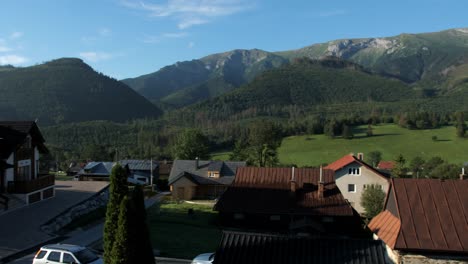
(353, 175)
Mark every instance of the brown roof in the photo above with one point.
(348, 159)
(386, 165)
(433, 215)
(25, 128)
(268, 190)
(386, 226)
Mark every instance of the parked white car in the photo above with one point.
(64, 253)
(206, 258)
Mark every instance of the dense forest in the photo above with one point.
(68, 90)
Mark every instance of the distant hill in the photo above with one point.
(436, 62)
(189, 82)
(68, 90)
(309, 83)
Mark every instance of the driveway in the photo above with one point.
(20, 229)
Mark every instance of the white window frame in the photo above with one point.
(355, 171)
(355, 188)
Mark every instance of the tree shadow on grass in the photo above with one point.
(377, 135)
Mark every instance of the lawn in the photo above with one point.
(391, 140)
(179, 235)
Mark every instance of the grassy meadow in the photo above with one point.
(391, 140)
(179, 235)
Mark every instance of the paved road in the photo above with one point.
(94, 233)
(20, 228)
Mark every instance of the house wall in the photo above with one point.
(10, 173)
(189, 189)
(366, 176)
(432, 259)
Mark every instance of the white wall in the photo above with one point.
(366, 176)
(9, 176)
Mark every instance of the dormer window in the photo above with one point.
(354, 171)
(213, 174)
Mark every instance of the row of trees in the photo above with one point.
(126, 237)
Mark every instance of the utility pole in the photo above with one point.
(151, 177)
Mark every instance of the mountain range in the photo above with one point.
(436, 62)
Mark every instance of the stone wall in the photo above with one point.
(94, 202)
(419, 259)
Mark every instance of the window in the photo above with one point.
(67, 258)
(211, 174)
(352, 188)
(54, 256)
(40, 254)
(354, 171)
(24, 173)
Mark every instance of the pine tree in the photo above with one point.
(140, 248)
(118, 189)
(121, 245)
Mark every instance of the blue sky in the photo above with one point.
(127, 38)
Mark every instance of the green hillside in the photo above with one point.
(68, 90)
(391, 140)
(309, 84)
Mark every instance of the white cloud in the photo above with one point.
(93, 56)
(191, 44)
(188, 13)
(12, 59)
(333, 13)
(16, 35)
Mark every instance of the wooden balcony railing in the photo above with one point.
(32, 185)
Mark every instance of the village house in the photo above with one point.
(301, 200)
(353, 176)
(21, 145)
(424, 221)
(203, 179)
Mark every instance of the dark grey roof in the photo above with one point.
(240, 247)
(139, 164)
(199, 175)
(215, 166)
(97, 168)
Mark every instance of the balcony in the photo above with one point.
(41, 182)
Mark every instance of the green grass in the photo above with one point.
(391, 140)
(222, 155)
(179, 235)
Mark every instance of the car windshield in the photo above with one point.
(85, 256)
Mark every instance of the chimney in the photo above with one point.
(462, 175)
(321, 186)
(197, 163)
(293, 181)
(360, 156)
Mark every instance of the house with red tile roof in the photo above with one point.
(287, 200)
(425, 221)
(353, 176)
(386, 165)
